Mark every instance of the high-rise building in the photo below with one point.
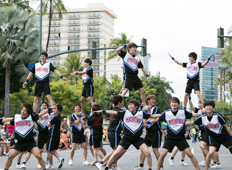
(78, 28)
(209, 74)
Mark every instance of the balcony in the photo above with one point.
(74, 23)
(94, 23)
(93, 29)
(54, 24)
(73, 30)
(74, 36)
(55, 31)
(93, 36)
(74, 17)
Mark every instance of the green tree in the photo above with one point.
(54, 7)
(118, 42)
(18, 40)
(20, 4)
(223, 108)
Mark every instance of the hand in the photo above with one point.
(128, 44)
(55, 106)
(98, 111)
(211, 55)
(73, 74)
(170, 55)
(148, 79)
(24, 85)
(66, 81)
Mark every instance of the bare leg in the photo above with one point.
(36, 104)
(19, 157)
(161, 158)
(27, 157)
(72, 150)
(82, 104)
(204, 148)
(146, 151)
(182, 155)
(174, 152)
(209, 156)
(115, 156)
(50, 101)
(124, 91)
(192, 157)
(156, 152)
(103, 151)
(199, 96)
(84, 146)
(36, 153)
(90, 98)
(142, 157)
(216, 157)
(12, 155)
(143, 95)
(49, 157)
(91, 149)
(186, 96)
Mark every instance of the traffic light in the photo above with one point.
(144, 49)
(220, 37)
(93, 45)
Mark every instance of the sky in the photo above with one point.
(177, 27)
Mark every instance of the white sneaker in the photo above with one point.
(85, 162)
(39, 166)
(138, 168)
(162, 168)
(171, 161)
(18, 166)
(70, 162)
(117, 168)
(23, 166)
(183, 163)
(202, 163)
(216, 166)
(50, 167)
(99, 165)
(61, 161)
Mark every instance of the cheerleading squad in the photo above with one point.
(215, 130)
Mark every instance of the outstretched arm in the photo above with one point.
(177, 62)
(147, 75)
(58, 73)
(121, 47)
(111, 112)
(155, 116)
(43, 112)
(206, 62)
(77, 72)
(153, 120)
(27, 80)
(196, 114)
(190, 123)
(191, 104)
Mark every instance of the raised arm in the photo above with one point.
(121, 47)
(191, 105)
(206, 62)
(58, 73)
(43, 112)
(147, 75)
(177, 62)
(27, 80)
(111, 112)
(190, 123)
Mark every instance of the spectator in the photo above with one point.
(11, 139)
(193, 131)
(69, 139)
(64, 126)
(5, 144)
(104, 134)
(65, 140)
(0, 151)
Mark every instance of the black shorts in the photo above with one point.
(225, 140)
(78, 138)
(131, 81)
(192, 84)
(206, 138)
(88, 90)
(114, 139)
(127, 141)
(25, 145)
(90, 141)
(42, 87)
(42, 139)
(96, 141)
(180, 143)
(154, 139)
(53, 143)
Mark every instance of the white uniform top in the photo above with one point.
(42, 71)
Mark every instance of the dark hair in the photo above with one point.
(174, 99)
(75, 106)
(116, 99)
(193, 54)
(44, 103)
(87, 60)
(59, 107)
(149, 97)
(29, 108)
(133, 45)
(133, 101)
(44, 53)
(209, 102)
(96, 107)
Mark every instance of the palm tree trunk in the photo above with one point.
(49, 25)
(7, 91)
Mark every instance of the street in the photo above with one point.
(128, 161)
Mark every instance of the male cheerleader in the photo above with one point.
(78, 134)
(216, 126)
(114, 129)
(87, 77)
(24, 126)
(193, 70)
(54, 136)
(131, 63)
(206, 139)
(42, 73)
(175, 118)
(133, 127)
(153, 135)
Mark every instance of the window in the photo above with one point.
(93, 21)
(55, 29)
(74, 28)
(73, 35)
(93, 28)
(74, 22)
(55, 23)
(93, 14)
(54, 42)
(74, 15)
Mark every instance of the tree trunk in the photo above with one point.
(49, 25)
(7, 91)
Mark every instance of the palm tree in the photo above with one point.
(117, 42)
(18, 40)
(20, 4)
(73, 61)
(53, 7)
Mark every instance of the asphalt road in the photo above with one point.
(128, 161)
